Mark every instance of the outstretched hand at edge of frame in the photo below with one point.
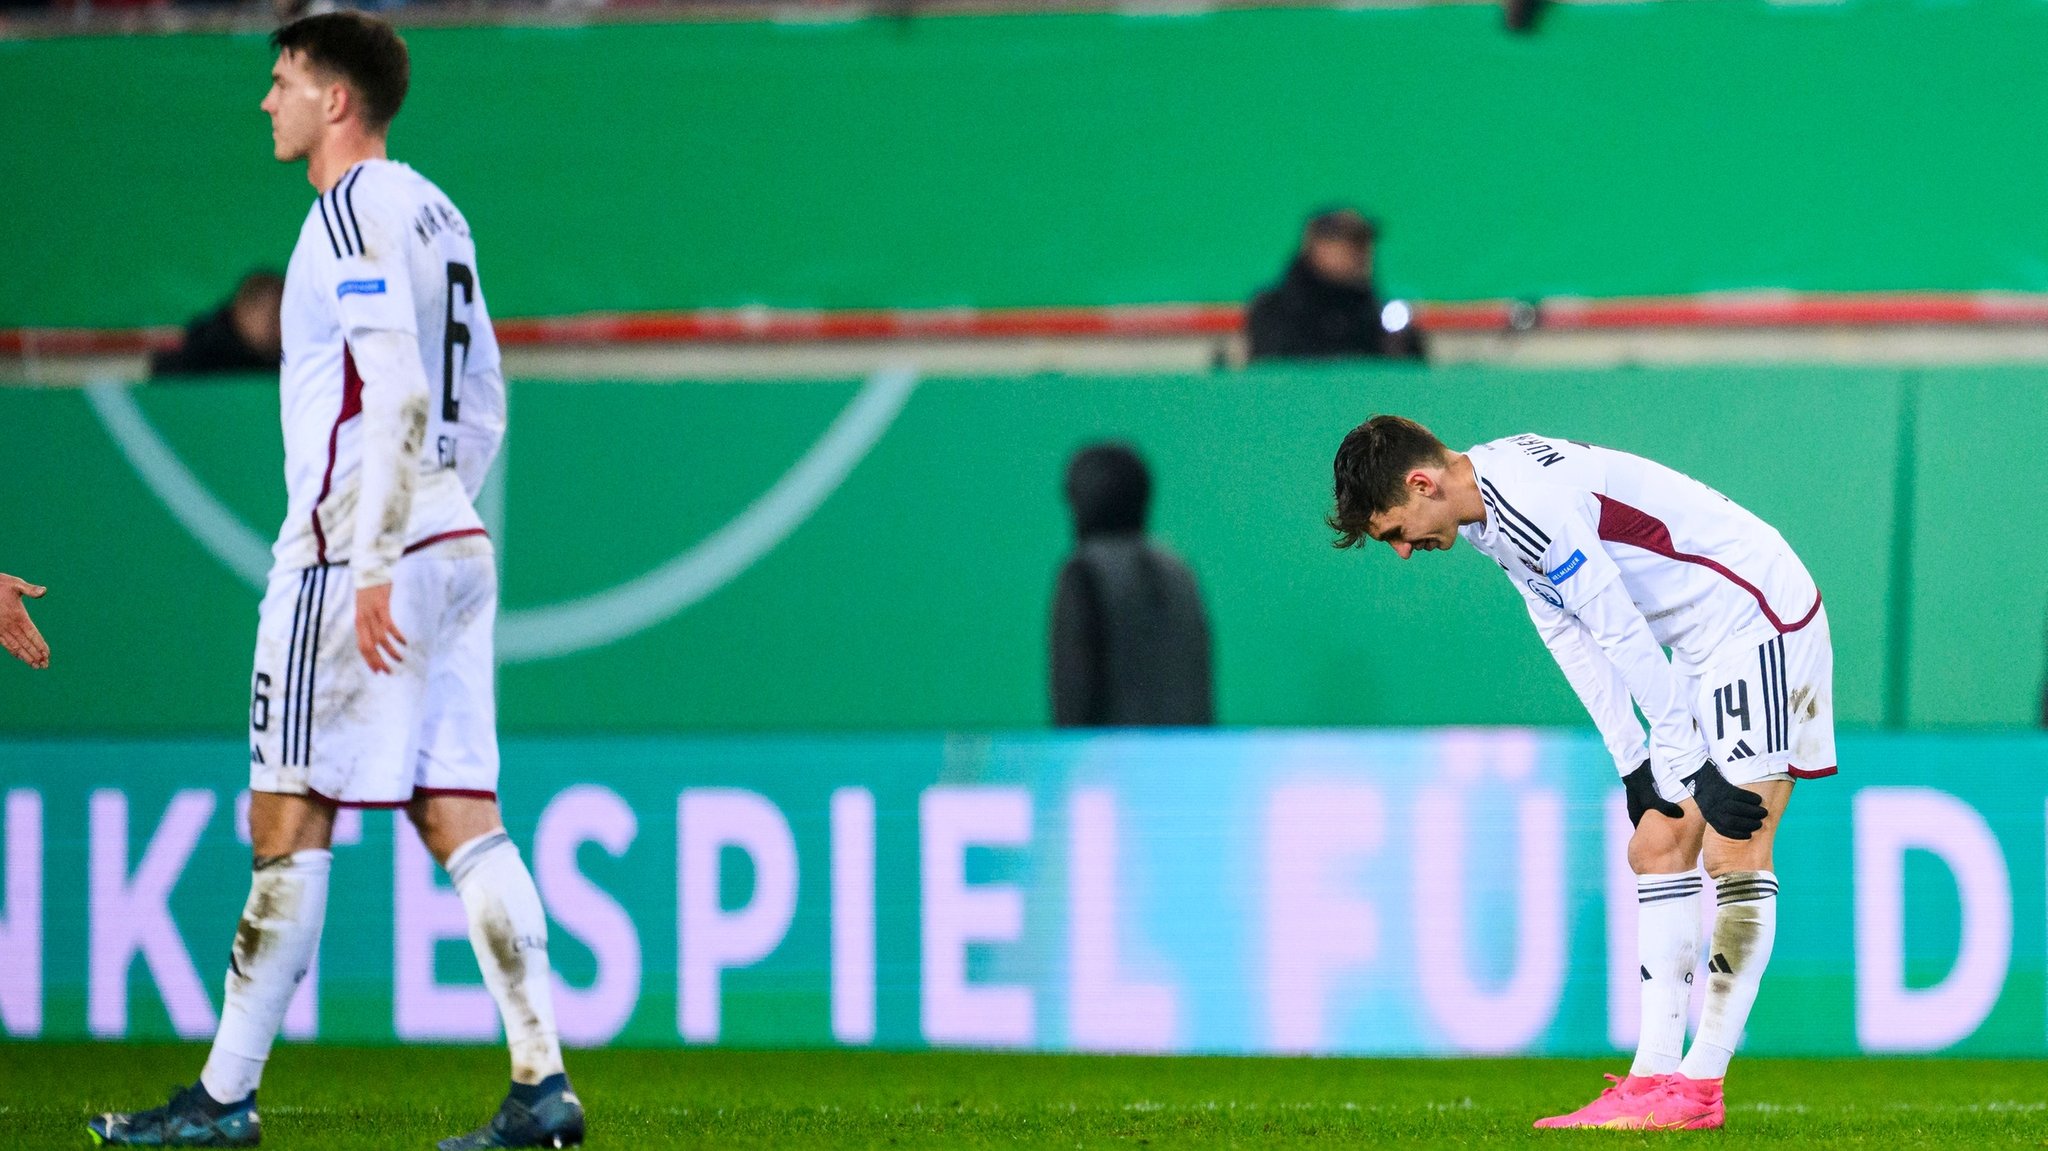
(18, 633)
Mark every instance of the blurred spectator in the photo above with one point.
(239, 336)
(1325, 305)
(1130, 641)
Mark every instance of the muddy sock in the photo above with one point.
(510, 933)
(274, 944)
(1745, 925)
(1668, 948)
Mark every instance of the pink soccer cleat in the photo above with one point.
(1616, 1105)
(1681, 1104)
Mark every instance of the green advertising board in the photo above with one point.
(1389, 892)
(880, 554)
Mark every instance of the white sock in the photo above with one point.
(510, 933)
(1668, 948)
(274, 944)
(1745, 926)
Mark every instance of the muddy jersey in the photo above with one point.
(383, 251)
(1617, 556)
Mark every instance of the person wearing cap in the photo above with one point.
(1130, 639)
(1324, 305)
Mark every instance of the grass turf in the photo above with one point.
(337, 1097)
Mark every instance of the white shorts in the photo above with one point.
(1768, 711)
(322, 724)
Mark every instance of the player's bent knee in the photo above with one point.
(1721, 855)
(1655, 853)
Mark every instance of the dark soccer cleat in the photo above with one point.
(191, 1119)
(547, 1114)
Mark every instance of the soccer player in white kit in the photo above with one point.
(373, 671)
(1617, 558)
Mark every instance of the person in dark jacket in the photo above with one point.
(1324, 305)
(1130, 641)
(242, 335)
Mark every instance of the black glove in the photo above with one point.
(1642, 796)
(1733, 811)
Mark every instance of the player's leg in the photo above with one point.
(1664, 853)
(1769, 717)
(1777, 703)
(335, 735)
(507, 926)
(274, 944)
(301, 633)
(276, 939)
(456, 811)
(1745, 927)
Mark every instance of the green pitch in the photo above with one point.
(331, 1097)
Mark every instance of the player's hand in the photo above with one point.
(377, 637)
(1735, 812)
(18, 633)
(1642, 796)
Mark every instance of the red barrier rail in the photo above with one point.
(787, 326)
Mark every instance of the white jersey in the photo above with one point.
(383, 251)
(1617, 557)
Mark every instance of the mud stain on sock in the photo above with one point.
(273, 901)
(527, 1038)
(1738, 928)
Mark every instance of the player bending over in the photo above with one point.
(373, 647)
(1617, 557)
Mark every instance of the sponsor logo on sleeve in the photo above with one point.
(359, 288)
(1563, 571)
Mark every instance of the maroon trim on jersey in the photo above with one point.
(351, 406)
(441, 537)
(1622, 524)
(1802, 773)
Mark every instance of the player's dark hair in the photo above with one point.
(1372, 470)
(363, 50)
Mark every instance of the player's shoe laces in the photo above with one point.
(547, 1114)
(191, 1119)
(1682, 1104)
(1614, 1106)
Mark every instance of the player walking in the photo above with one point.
(1616, 558)
(392, 404)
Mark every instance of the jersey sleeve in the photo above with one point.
(1579, 579)
(374, 295)
(373, 281)
(1594, 679)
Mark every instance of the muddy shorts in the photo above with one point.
(321, 723)
(1768, 711)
